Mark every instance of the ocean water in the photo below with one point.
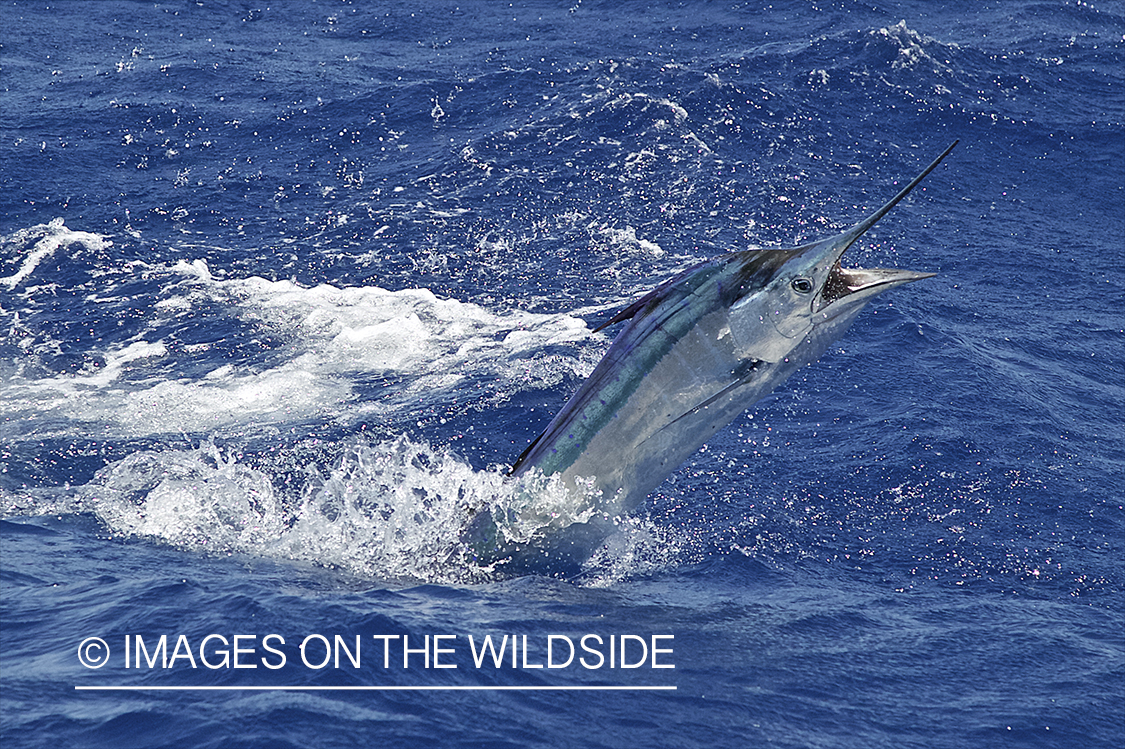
(286, 287)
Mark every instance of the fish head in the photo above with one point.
(784, 296)
(807, 288)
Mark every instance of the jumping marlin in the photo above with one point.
(698, 350)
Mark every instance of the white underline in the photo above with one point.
(372, 689)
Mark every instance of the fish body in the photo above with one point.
(696, 352)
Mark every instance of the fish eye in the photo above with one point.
(802, 285)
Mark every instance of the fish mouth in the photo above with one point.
(855, 284)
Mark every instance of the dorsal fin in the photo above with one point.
(630, 311)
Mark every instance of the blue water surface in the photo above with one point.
(286, 287)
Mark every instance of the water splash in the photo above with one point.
(394, 509)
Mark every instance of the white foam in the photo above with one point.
(431, 350)
(626, 239)
(911, 46)
(47, 238)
